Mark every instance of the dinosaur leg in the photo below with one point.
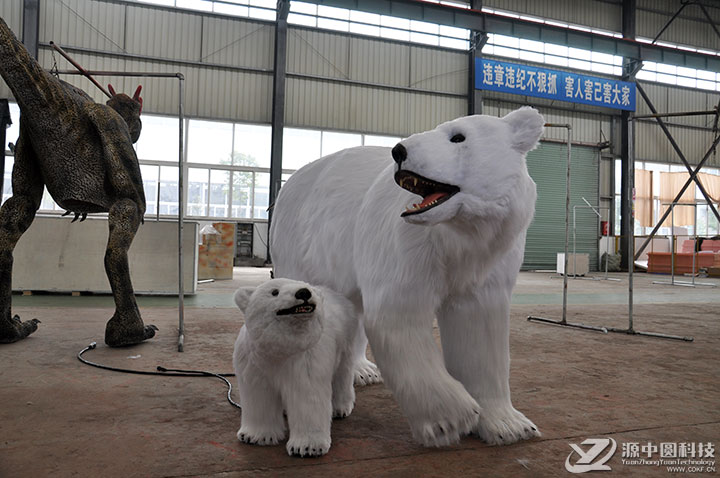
(126, 327)
(16, 215)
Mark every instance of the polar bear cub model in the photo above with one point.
(293, 354)
(432, 228)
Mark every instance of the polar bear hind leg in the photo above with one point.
(475, 333)
(343, 392)
(366, 372)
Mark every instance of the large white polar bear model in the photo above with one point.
(294, 354)
(354, 221)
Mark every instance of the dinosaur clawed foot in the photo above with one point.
(13, 329)
(119, 333)
(83, 216)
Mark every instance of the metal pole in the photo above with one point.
(157, 204)
(5, 121)
(574, 245)
(662, 30)
(667, 115)
(672, 244)
(694, 243)
(82, 70)
(630, 150)
(567, 223)
(181, 217)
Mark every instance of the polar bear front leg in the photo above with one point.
(437, 406)
(261, 422)
(309, 412)
(475, 333)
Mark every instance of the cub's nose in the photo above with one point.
(399, 154)
(303, 294)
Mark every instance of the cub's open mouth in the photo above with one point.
(432, 192)
(305, 308)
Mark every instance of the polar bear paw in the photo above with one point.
(308, 445)
(366, 373)
(448, 429)
(504, 425)
(260, 437)
(342, 410)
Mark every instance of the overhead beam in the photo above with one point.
(474, 19)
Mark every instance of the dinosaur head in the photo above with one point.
(129, 109)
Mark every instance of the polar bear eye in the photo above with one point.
(275, 292)
(458, 138)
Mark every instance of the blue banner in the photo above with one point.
(553, 84)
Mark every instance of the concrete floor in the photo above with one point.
(61, 418)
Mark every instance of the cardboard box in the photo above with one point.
(578, 264)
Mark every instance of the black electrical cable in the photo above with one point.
(163, 372)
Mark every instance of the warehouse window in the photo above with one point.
(227, 164)
(707, 224)
(302, 146)
(260, 9)
(384, 26)
(579, 59)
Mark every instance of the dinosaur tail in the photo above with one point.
(30, 84)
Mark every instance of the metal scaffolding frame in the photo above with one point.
(673, 252)
(563, 322)
(596, 210)
(181, 202)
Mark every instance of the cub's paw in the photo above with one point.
(503, 425)
(343, 410)
(260, 437)
(308, 445)
(366, 373)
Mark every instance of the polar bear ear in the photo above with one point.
(526, 125)
(242, 297)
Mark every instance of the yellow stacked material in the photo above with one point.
(216, 253)
(227, 233)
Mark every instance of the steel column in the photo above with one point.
(278, 108)
(31, 26)
(478, 39)
(626, 137)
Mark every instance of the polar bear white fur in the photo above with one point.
(293, 354)
(343, 221)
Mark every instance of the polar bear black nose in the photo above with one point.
(399, 153)
(303, 294)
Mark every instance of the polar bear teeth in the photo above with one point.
(432, 192)
(306, 308)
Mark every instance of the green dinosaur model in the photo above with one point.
(82, 152)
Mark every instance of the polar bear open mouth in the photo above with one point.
(305, 308)
(433, 193)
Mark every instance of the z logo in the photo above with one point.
(585, 464)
